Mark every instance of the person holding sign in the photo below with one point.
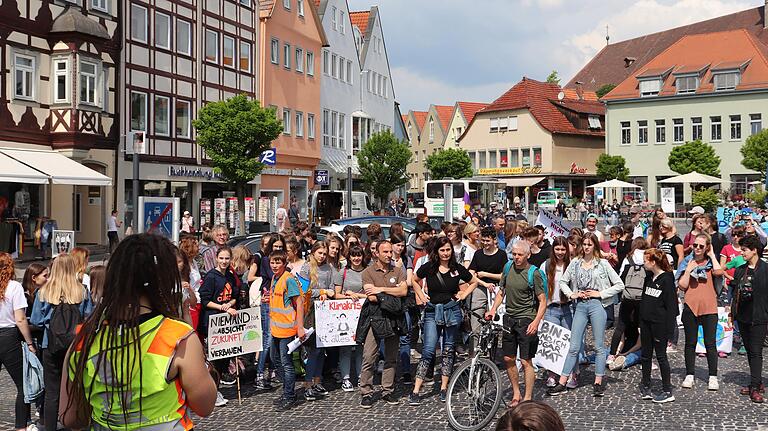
(701, 281)
(559, 309)
(442, 314)
(349, 285)
(658, 313)
(750, 309)
(592, 282)
(526, 303)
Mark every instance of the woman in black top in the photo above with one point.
(442, 314)
(670, 243)
(658, 309)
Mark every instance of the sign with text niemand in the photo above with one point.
(236, 335)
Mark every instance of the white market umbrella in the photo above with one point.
(692, 178)
(614, 184)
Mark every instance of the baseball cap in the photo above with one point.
(696, 210)
(493, 204)
(186, 213)
(592, 215)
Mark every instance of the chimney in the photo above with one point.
(580, 88)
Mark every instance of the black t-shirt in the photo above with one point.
(667, 245)
(493, 263)
(539, 258)
(744, 306)
(659, 301)
(442, 293)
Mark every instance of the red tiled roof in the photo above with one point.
(608, 66)
(444, 114)
(540, 98)
(404, 118)
(726, 50)
(360, 19)
(469, 109)
(582, 106)
(571, 93)
(421, 117)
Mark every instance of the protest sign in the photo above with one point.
(499, 318)
(725, 217)
(723, 337)
(336, 321)
(554, 225)
(230, 336)
(554, 341)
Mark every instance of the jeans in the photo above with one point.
(52, 365)
(345, 360)
(654, 337)
(113, 240)
(283, 363)
(405, 342)
(266, 341)
(752, 337)
(315, 359)
(559, 315)
(371, 360)
(432, 333)
(691, 324)
(627, 325)
(11, 357)
(589, 311)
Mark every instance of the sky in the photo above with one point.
(441, 51)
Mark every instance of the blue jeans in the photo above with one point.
(266, 338)
(405, 345)
(345, 360)
(559, 315)
(315, 359)
(590, 311)
(283, 363)
(431, 334)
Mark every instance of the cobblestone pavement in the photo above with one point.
(620, 409)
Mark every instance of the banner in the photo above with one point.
(336, 321)
(723, 337)
(554, 341)
(668, 199)
(554, 225)
(236, 335)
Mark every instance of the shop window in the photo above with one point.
(526, 157)
(503, 158)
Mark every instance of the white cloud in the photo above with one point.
(544, 4)
(640, 18)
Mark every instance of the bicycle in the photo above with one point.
(474, 391)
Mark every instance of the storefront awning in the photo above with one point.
(337, 161)
(57, 167)
(521, 182)
(13, 171)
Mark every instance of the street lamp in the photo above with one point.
(349, 185)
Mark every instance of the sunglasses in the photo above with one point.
(699, 246)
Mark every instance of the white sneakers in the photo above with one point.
(220, 400)
(713, 385)
(688, 382)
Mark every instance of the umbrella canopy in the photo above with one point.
(615, 183)
(692, 177)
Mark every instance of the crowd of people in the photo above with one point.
(130, 339)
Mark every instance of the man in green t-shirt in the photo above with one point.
(525, 306)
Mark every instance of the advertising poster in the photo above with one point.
(63, 241)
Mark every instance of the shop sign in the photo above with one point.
(183, 171)
(510, 171)
(288, 172)
(575, 169)
(321, 177)
(269, 157)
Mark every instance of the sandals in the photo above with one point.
(513, 403)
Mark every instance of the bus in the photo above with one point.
(482, 191)
(548, 199)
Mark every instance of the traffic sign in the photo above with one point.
(321, 177)
(269, 157)
(160, 216)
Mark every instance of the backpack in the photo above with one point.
(61, 329)
(634, 280)
(531, 271)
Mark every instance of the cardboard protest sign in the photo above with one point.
(498, 319)
(554, 341)
(554, 225)
(336, 321)
(236, 335)
(723, 336)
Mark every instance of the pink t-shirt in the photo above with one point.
(729, 252)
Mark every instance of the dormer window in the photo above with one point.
(594, 122)
(726, 80)
(686, 84)
(650, 87)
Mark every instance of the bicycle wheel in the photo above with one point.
(474, 395)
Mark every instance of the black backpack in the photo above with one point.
(62, 327)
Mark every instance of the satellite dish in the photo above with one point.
(560, 96)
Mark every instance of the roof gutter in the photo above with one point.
(687, 96)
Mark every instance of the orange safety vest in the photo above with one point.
(282, 318)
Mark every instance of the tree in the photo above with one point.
(694, 156)
(553, 78)
(605, 89)
(453, 162)
(611, 167)
(755, 152)
(382, 161)
(234, 133)
(706, 198)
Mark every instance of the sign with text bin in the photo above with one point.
(321, 177)
(160, 216)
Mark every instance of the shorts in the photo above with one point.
(517, 338)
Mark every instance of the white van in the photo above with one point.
(329, 205)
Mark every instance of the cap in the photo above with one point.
(186, 212)
(696, 210)
(592, 215)
(493, 204)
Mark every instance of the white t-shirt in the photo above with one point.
(112, 225)
(14, 300)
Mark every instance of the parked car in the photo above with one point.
(253, 241)
(408, 223)
(338, 229)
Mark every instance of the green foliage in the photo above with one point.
(758, 197)
(605, 89)
(611, 167)
(694, 156)
(755, 152)
(706, 198)
(453, 162)
(382, 161)
(233, 133)
(553, 78)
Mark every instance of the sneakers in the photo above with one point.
(391, 399)
(742, 351)
(722, 354)
(347, 386)
(645, 393)
(610, 359)
(220, 400)
(366, 402)
(261, 384)
(551, 382)
(285, 404)
(713, 385)
(557, 390)
(598, 390)
(664, 397)
(228, 379)
(443, 395)
(414, 399)
(687, 382)
(415, 354)
(573, 382)
(310, 394)
(319, 389)
(618, 363)
(671, 348)
(407, 379)
(747, 390)
(276, 402)
(755, 396)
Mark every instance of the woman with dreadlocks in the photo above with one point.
(134, 364)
